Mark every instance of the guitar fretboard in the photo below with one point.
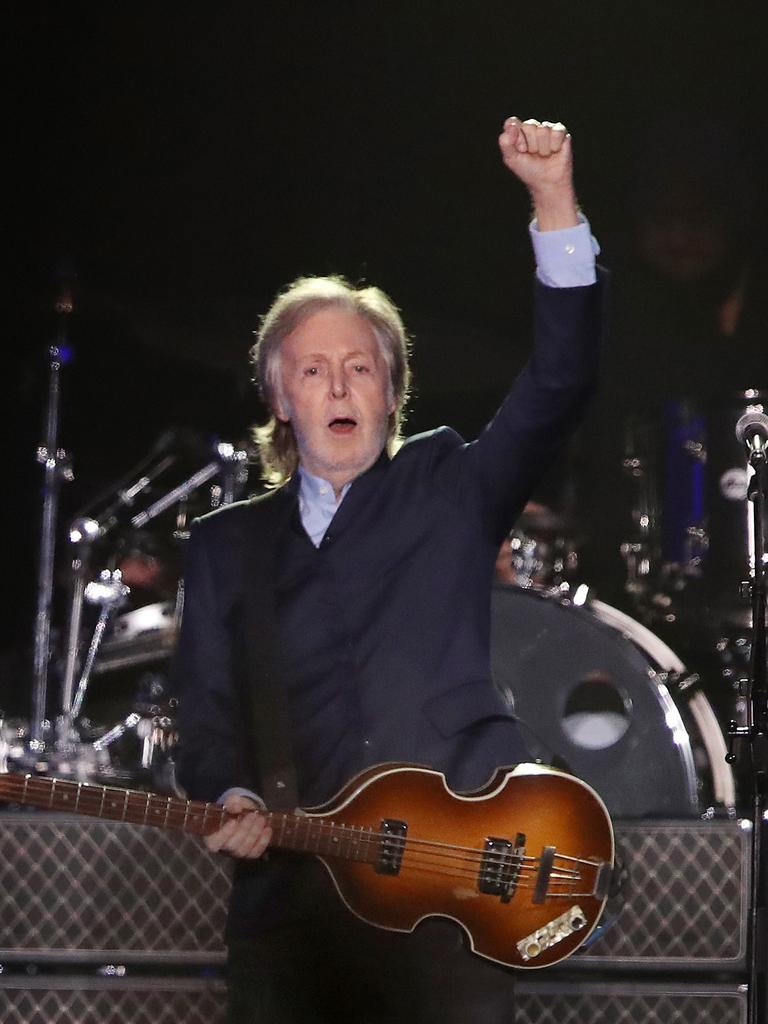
(299, 832)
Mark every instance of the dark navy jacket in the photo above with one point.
(385, 628)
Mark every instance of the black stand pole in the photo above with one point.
(56, 468)
(755, 732)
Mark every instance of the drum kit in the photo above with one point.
(120, 598)
(599, 689)
(595, 688)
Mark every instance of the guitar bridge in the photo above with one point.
(500, 866)
(392, 834)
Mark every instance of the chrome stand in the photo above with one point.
(56, 468)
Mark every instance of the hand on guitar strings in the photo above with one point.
(245, 834)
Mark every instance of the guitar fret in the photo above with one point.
(186, 814)
(146, 809)
(103, 795)
(77, 798)
(167, 811)
(24, 788)
(53, 793)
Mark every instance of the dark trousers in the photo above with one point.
(341, 971)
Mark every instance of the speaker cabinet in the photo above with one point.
(686, 898)
(549, 1002)
(77, 999)
(83, 890)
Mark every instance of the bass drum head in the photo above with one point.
(589, 688)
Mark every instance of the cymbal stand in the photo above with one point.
(228, 461)
(94, 522)
(110, 593)
(82, 533)
(755, 732)
(56, 468)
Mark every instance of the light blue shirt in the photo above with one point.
(317, 504)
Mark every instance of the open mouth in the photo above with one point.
(342, 425)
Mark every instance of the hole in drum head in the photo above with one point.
(596, 714)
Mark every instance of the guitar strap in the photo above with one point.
(266, 698)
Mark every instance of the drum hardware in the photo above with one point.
(752, 433)
(93, 525)
(109, 594)
(57, 468)
(687, 510)
(682, 682)
(131, 721)
(4, 769)
(541, 552)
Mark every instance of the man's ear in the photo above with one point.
(280, 409)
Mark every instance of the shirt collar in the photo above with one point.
(316, 490)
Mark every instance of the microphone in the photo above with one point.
(752, 431)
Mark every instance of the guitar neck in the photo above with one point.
(299, 832)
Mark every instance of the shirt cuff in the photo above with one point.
(565, 258)
(241, 791)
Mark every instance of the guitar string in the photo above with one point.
(425, 866)
(417, 860)
(518, 885)
(86, 791)
(406, 843)
(180, 817)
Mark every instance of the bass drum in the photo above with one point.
(593, 692)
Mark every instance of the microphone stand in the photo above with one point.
(755, 732)
(56, 468)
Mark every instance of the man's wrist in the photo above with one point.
(242, 791)
(555, 208)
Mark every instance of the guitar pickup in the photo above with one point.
(392, 835)
(500, 866)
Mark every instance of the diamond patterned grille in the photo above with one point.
(92, 885)
(686, 900)
(113, 1004)
(630, 1007)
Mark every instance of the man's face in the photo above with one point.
(335, 391)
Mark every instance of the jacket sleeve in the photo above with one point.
(543, 408)
(211, 735)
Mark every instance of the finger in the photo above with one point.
(251, 839)
(509, 134)
(529, 132)
(216, 840)
(239, 809)
(543, 140)
(557, 134)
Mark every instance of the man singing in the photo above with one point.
(360, 589)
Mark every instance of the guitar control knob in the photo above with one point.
(532, 949)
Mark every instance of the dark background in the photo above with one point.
(180, 162)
